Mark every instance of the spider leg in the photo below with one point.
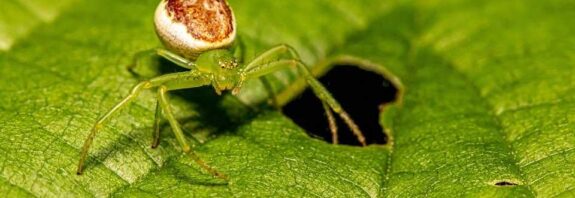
(331, 122)
(268, 87)
(238, 49)
(156, 127)
(271, 55)
(173, 81)
(319, 90)
(169, 115)
(172, 57)
(176, 128)
(156, 132)
(99, 124)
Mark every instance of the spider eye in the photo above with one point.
(189, 27)
(228, 64)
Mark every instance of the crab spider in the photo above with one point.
(198, 36)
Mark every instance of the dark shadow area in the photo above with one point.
(360, 92)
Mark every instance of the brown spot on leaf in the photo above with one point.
(505, 183)
(207, 20)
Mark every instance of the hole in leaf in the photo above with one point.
(360, 92)
(505, 183)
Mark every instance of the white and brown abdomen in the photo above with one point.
(190, 27)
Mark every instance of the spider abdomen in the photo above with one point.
(190, 27)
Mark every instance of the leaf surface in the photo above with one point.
(485, 106)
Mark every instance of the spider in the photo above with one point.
(199, 35)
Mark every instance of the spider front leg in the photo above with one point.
(176, 128)
(261, 67)
(271, 55)
(99, 124)
(163, 104)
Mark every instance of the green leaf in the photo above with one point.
(485, 105)
(488, 97)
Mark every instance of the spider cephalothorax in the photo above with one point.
(222, 68)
